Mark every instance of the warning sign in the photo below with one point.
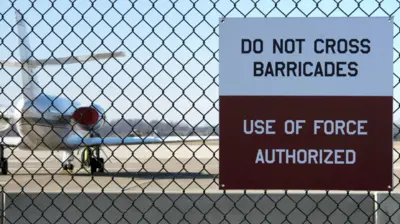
(306, 103)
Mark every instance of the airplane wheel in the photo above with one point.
(96, 165)
(101, 165)
(93, 165)
(68, 168)
(4, 166)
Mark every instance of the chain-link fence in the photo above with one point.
(145, 72)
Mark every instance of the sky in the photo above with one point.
(170, 68)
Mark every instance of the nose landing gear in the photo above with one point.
(68, 167)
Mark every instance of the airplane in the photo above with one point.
(47, 122)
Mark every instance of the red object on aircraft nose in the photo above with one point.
(86, 116)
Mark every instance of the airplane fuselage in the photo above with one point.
(43, 122)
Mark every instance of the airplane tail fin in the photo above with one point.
(27, 64)
(30, 84)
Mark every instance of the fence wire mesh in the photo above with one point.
(152, 68)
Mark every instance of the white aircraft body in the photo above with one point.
(46, 122)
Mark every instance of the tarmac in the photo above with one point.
(178, 167)
(175, 183)
(154, 168)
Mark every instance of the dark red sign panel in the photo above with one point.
(338, 143)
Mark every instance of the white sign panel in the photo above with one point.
(306, 56)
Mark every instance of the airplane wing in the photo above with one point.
(77, 59)
(77, 141)
(64, 60)
(10, 141)
(10, 64)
